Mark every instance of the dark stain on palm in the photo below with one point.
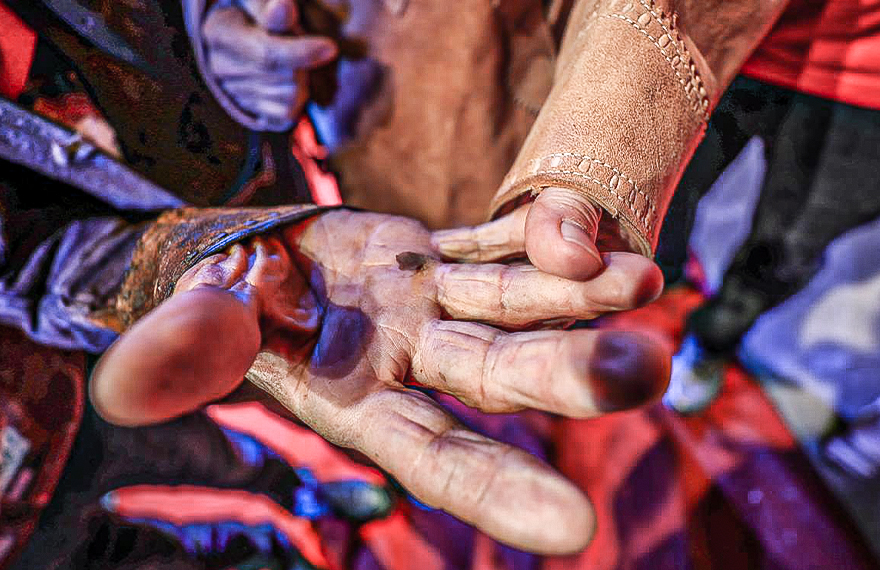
(411, 261)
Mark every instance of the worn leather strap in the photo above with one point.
(181, 238)
(58, 153)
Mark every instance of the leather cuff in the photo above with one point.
(630, 102)
(179, 239)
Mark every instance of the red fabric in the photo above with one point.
(183, 505)
(17, 43)
(41, 406)
(308, 152)
(728, 488)
(830, 49)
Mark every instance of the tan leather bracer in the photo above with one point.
(630, 102)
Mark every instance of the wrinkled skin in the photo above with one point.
(340, 319)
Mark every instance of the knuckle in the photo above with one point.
(218, 22)
(487, 396)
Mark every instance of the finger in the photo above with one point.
(560, 234)
(193, 349)
(579, 374)
(494, 241)
(230, 67)
(263, 88)
(248, 92)
(276, 102)
(502, 490)
(278, 64)
(275, 16)
(518, 296)
(227, 31)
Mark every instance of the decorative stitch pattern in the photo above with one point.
(600, 163)
(656, 17)
(693, 84)
(648, 223)
(554, 164)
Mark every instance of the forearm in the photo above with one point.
(634, 86)
(725, 32)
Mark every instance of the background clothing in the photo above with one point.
(823, 171)
(830, 49)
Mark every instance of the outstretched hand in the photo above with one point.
(335, 317)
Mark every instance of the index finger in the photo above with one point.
(504, 491)
(520, 295)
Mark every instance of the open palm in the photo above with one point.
(352, 308)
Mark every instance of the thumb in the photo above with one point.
(560, 234)
(193, 349)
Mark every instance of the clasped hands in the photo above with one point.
(332, 317)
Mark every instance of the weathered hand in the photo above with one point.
(345, 308)
(256, 59)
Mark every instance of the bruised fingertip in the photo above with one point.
(628, 370)
(651, 286)
(645, 276)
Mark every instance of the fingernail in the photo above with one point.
(573, 232)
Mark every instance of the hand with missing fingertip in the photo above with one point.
(333, 317)
(257, 55)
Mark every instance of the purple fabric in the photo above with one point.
(72, 273)
(63, 255)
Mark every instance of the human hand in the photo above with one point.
(558, 231)
(257, 60)
(332, 317)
